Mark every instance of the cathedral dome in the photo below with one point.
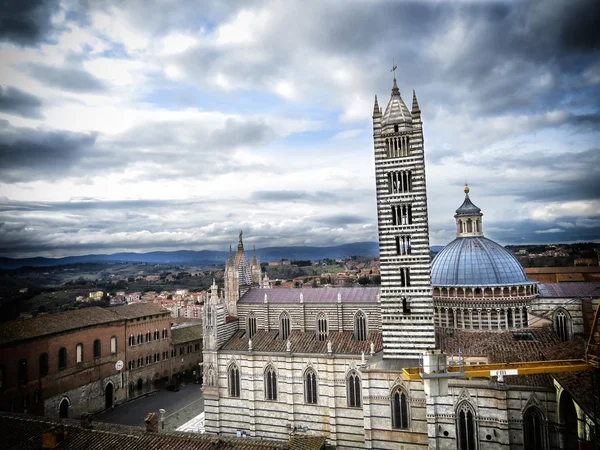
(476, 261)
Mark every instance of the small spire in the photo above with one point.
(415, 105)
(376, 109)
(240, 243)
(395, 89)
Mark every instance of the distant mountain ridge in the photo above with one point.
(203, 257)
(206, 257)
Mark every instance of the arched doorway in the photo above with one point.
(140, 384)
(568, 420)
(108, 396)
(63, 409)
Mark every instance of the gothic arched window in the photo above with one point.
(399, 409)
(310, 386)
(466, 427)
(322, 330)
(251, 325)
(562, 324)
(270, 384)
(360, 326)
(284, 325)
(533, 429)
(354, 390)
(234, 381)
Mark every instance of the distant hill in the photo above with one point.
(203, 257)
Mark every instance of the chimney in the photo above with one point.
(53, 437)
(151, 423)
(86, 421)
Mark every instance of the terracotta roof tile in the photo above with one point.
(304, 342)
(23, 432)
(136, 310)
(183, 334)
(47, 324)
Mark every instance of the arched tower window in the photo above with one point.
(400, 409)
(284, 325)
(354, 392)
(466, 427)
(270, 384)
(562, 324)
(234, 380)
(322, 330)
(404, 277)
(251, 325)
(360, 326)
(310, 386)
(533, 429)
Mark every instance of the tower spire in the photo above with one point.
(395, 90)
(415, 104)
(376, 110)
(240, 242)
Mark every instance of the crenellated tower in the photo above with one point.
(406, 294)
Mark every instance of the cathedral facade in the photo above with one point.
(372, 367)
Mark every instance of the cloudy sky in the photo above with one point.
(172, 124)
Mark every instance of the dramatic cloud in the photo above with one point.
(16, 101)
(26, 22)
(143, 125)
(67, 78)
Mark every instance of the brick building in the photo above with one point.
(186, 350)
(61, 365)
(148, 331)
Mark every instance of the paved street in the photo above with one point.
(180, 407)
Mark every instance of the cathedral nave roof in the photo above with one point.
(312, 295)
(304, 342)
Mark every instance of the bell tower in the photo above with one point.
(406, 294)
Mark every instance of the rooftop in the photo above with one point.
(312, 295)
(23, 432)
(590, 289)
(48, 324)
(183, 334)
(304, 342)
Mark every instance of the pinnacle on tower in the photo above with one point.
(240, 243)
(395, 89)
(415, 104)
(376, 109)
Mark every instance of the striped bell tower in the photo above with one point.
(406, 294)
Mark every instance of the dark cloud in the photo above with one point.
(28, 154)
(26, 22)
(16, 101)
(67, 78)
(564, 229)
(295, 196)
(342, 220)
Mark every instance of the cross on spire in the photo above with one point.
(394, 67)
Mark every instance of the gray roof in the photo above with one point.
(468, 208)
(311, 295)
(579, 289)
(476, 261)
